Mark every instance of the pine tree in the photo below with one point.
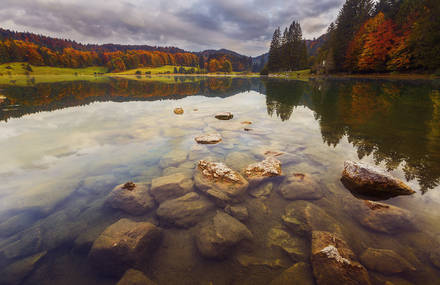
(274, 52)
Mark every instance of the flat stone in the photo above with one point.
(171, 186)
(134, 201)
(238, 212)
(209, 138)
(173, 158)
(300, 273)
(16, 272)
(293, 246)
(299, 186)
(220, 235)
(385, 261)
(224, 116)
(304, 217)
(178, 111)
(135, 277)
(334, 263)
(124, 244)
(262, 190)
(185, 211)
(220, 182)
(370, 181)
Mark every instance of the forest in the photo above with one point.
(45, 51)
(367, 37)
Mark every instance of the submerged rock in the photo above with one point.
(184, 211)
(218, 237)
(209, 139)
(257, 172)
(334, 263)
(304, 217)
(173, 158)
(238, 212)
(367, 180)
(262, 190)
(248, 261)
(300, 273)
(178, 111)
(435, 257)
(123, 244)
(135, 277)
(171, 186)
(384, 218)
(16, 272)
(239, 160)
(224, 116)
(385, 261)
(220, 182)
(131, 198)
(293, 246)
(300, 186)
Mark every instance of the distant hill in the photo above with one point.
(259, 62)
(43, 50)
(314, 45)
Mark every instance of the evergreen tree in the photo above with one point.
(274, 51)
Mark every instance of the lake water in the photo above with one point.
(64, 146)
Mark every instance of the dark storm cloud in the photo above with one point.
(245, 26)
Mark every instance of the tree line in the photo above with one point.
(389, 35)
(44, 51)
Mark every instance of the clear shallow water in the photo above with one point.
(64, 146)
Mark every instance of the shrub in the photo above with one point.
(138, 72)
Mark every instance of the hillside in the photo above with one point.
(41, 50)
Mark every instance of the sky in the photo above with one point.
(245, 26)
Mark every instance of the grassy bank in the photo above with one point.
(22, 68)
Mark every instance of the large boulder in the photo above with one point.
(300, 273)
(185, 211)
(135, 277)
(209, 138)
(131, 198)
(124, 244)
(220, 182)
(334, 263)
(224, 116)
(383, 218)
(173, 158)
(303, 217)
(299, 186)
(366, 180)
(220, 235)
(385, 261)
(259, 171)
(171, 186)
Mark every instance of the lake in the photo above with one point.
(65, 145)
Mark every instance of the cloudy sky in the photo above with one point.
(245, 26)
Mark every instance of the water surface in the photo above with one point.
(65, 145)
